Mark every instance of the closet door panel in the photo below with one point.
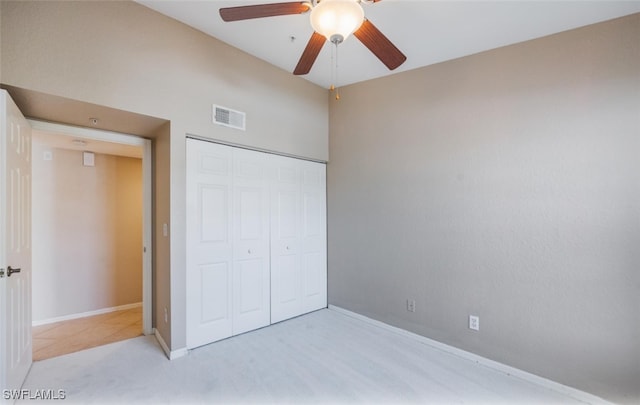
(250, 298)
(314, 282)
(285, 287)
(209, 243)
(286, 279)
(298, 246)
(214, 290)
(251, 288)
(213, 209)
(314, 237)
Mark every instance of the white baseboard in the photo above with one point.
(171, 355)
(503, 368)
(86, 314)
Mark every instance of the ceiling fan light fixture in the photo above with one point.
(337, 19)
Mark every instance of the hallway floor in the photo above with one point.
(65, 337)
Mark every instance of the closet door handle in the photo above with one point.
(11, 270)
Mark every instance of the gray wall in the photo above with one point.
(504, 185)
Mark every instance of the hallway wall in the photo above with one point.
(87, 232)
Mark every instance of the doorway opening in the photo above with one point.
(91, 238)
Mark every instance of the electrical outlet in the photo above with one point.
(411, 305)
(474, 322)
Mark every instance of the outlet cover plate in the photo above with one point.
(411, 305)
(474, 322)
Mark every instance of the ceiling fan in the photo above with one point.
(332, 20)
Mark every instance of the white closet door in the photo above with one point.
(298, 244)
(251, 289)
(314, 236)
(286, 277)
(209, 242)
(256, 240)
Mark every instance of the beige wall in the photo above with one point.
(87, 232)
(162, 245)
(504, 185)
(125, 56)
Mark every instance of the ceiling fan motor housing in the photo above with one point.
(337, 19)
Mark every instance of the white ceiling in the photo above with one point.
(427, 32)
(57, 140)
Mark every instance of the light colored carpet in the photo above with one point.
(323, 357)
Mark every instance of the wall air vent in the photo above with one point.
(228, 117)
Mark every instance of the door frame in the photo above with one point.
(2, 248)
(147, 250)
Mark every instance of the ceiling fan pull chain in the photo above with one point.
(332, 86)
(336, 74)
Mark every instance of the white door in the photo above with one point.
(251, 289)
(286, 276)
(314, 236)
(15, 245)
(298, 245)
(228, 290)
(209, 242)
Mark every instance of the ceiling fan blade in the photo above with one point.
(380, 45)
(310, 54)
(263, 10)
